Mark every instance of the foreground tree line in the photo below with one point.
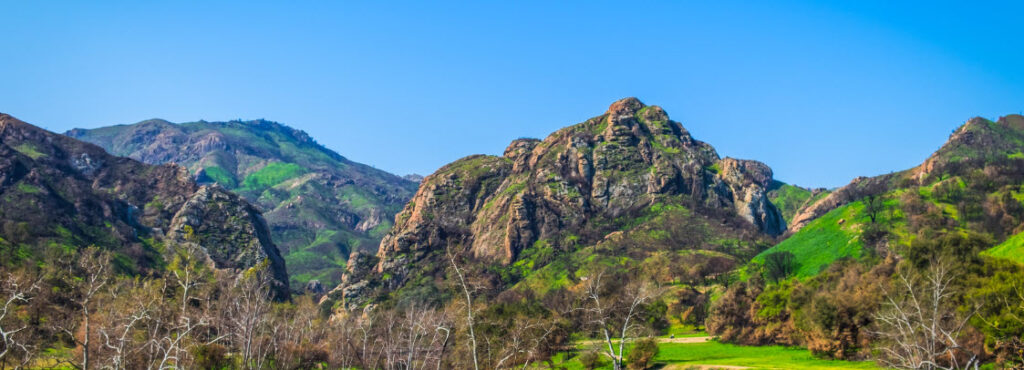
(937, 305)
(77, 311)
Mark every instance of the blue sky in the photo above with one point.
(820, 91)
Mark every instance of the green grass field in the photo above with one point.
(684, 355)
(767, 357)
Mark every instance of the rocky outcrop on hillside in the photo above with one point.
(573, 187)
(58, 192)
(319, 205)
(230, 230)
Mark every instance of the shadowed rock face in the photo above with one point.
(576, 182)
(58, 192)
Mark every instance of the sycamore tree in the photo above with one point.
(616, 311)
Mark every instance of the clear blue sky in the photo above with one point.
(820, 91)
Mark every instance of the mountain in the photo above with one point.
(972, 183)
(828, 283)
(320, 206)
(58, 194)
(629, 176)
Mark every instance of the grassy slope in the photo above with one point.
(823, 241)
(1012, 249)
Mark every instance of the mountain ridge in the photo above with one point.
(58, 193)
(320, 205)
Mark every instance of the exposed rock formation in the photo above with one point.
(575, 186)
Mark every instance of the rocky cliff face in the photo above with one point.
(319, 205)
(571, 188)
(58, 192)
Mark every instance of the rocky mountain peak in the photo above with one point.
(568, 189)
(625, 107)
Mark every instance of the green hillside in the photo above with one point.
(1011, 249)
(825, 240)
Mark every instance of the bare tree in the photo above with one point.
(616, 312)
(172, 333)
(131, 302)
(469, 309)
(15, 291)
(919, 326)
(90, 273)
(524, 342)
(248, 303)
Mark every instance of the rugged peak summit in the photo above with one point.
(571, 188)
(625, 107)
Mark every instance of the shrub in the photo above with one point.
(211, 356)
(642, 354)
(591, 360)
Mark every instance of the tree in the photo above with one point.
(616, 311)
(16, 290)
(469, 309)
(129, 306)
(88, 275)
(873, 206)
(779, 265)
(247, 305)
(919, 326)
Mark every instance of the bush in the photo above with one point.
(591, 360)
(211, 356)
(642, 354)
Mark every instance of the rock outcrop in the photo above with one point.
(58, 192)
(573, 187)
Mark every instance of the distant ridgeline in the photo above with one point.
(58, 195)
(320, 206)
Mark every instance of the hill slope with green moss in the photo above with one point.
(826, 285)
(973, 183)
(320, 206)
